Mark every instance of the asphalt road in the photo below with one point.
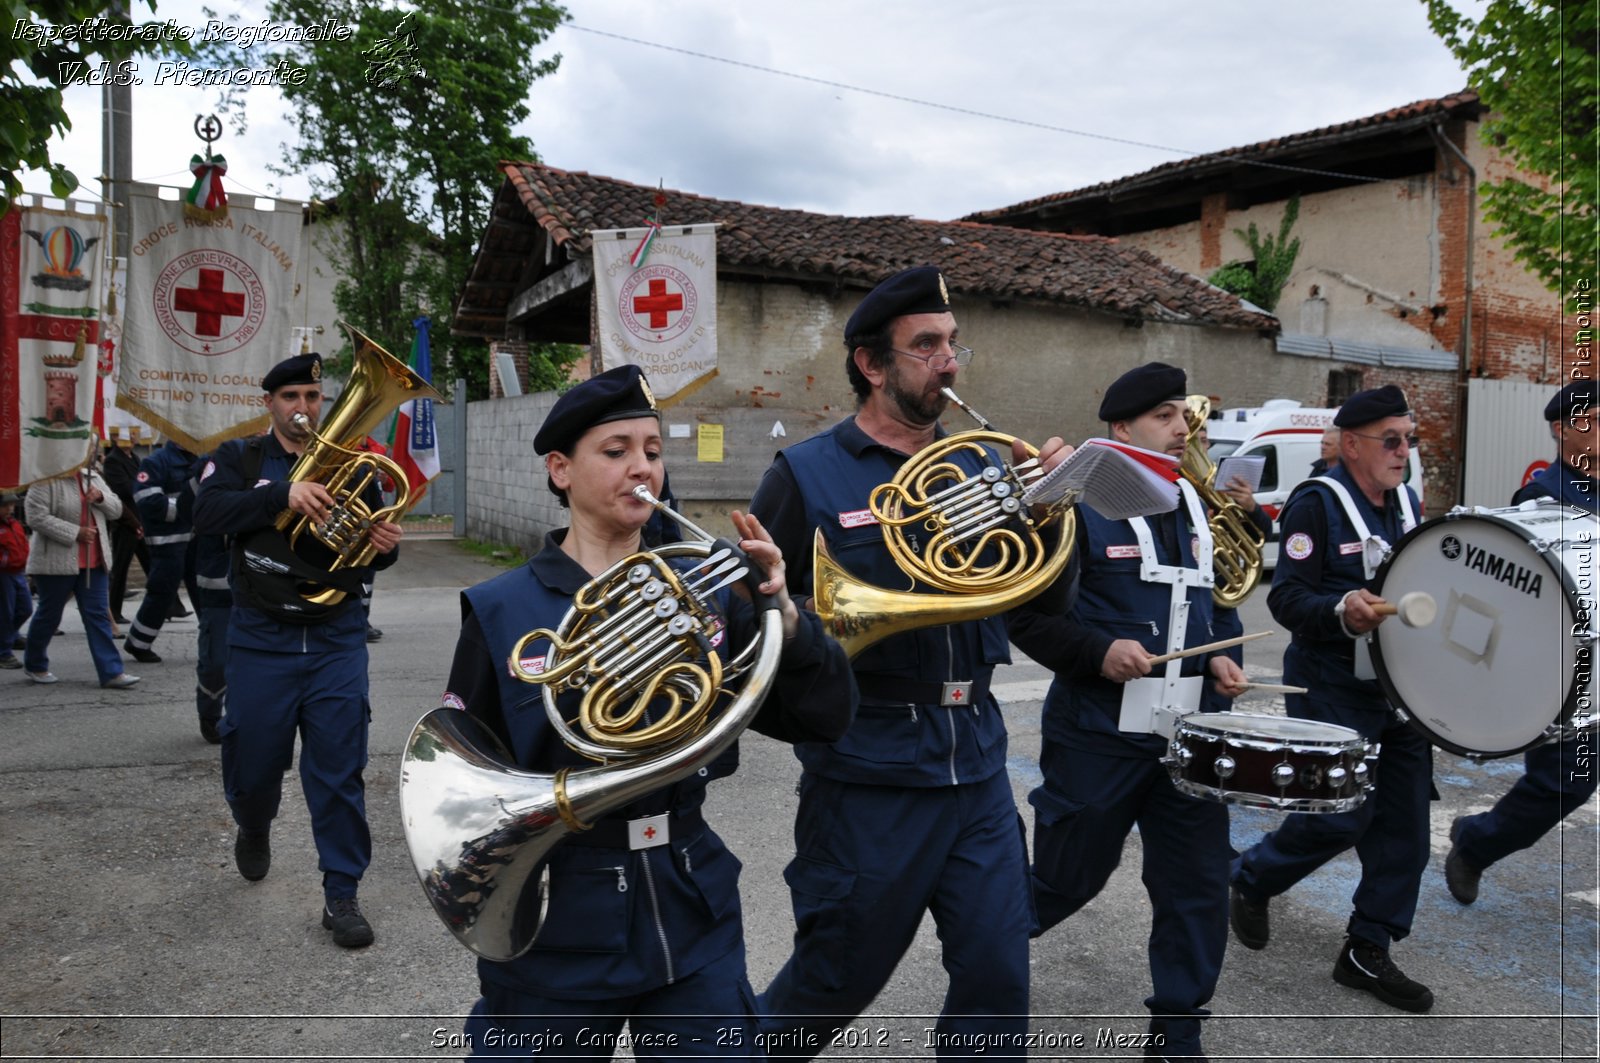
(126, 932)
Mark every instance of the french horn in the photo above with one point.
(1236, 550)
(480, 829)
(970, 536)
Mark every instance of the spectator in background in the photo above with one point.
(1330, 453)
(66, 559)
(16, 604)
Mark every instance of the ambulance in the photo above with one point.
(1289, 436)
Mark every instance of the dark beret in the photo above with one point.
(301, 369)
(913, 291)
(1574, 400)
(1141, 390)
(615, 395)
(1375, 404)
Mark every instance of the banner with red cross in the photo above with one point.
(209, 311)
(50, 282)
(659, 313)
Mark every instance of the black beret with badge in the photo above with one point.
(615, 395)
(1141, 389)
(1374, 404)
(301, 369)
(1574, 400)
(920, 290)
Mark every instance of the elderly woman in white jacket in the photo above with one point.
(67, 558)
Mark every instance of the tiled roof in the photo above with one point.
(1422, 112)
(984, 261)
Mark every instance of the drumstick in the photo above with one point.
(1416, 609)
(1276, 688)
(1208, 647)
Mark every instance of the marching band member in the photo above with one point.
(293, 668)
(644, 923)
(1560, 775)
(1335, 532)
(1102, 769)
(164, 496)
(911, 811)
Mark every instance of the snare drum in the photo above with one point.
(1274, 762)
(1508, 662)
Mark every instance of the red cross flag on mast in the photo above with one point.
(210, 307)
(656, 291)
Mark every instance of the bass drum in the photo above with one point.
(1508, 663)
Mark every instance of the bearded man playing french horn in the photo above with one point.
(643, 925)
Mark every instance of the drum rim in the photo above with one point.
(1569, 590)
(1347, 740)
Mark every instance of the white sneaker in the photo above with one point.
(121, 682)
(42, 678)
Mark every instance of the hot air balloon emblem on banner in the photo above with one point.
(64, 248)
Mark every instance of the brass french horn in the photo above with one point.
(1236, 542)
(480, 829)
(379, 382)
(983, 546)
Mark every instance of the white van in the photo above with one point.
(1289, 436)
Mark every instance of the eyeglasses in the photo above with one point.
(936, 362)
(1390, 442)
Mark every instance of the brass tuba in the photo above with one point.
(480, 829)
(379, 382)
(983, 545)
(1235, 540)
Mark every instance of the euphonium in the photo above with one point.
(982, 545)
(379, 382)
(1235, 541)
(480, 829)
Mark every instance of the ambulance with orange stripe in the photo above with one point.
(1289, 436)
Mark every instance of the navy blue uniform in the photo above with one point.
(213, 601)
(164, 496)
(1321, 559)
(653, 935)
(1560, 775)
(1100, 781)
(288, 678)
(910, 811)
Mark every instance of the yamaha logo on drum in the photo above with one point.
(1493, 565)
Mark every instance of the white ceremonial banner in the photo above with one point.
(661, 313)
(50, 284)
(209, 310)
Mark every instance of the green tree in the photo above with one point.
(1537, 68)
(401, 126)
(45, 43)
(1262, 280)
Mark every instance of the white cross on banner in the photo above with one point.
(660, 315)
(209, 312)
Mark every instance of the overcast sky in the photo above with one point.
(1058, 86)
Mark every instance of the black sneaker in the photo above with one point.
(253, 854)
(1251, 923)
(208, 731)
(142, 656)
(342, 915)
(1363, 965)
(1460, 877)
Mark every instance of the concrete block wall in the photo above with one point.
(507, 500)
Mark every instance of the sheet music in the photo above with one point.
(1248, 466)
(1118, 480)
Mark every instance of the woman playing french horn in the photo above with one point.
(643, 924)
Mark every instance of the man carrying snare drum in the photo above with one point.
(1556, 782)
(1336, 530)
(1103, 772)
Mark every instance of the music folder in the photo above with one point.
(1118, 480)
